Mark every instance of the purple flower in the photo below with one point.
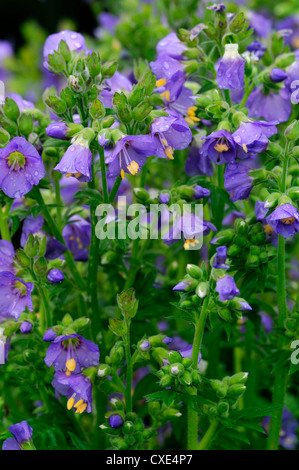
(219, 7)
(22, 104)
(68, 188)
(31, 225)
(220, 258)
(178, 99)
(169, 134)
(7, 253)
(21, 167)
(219, 147)
(266, 321)
(164, 67)
(271, 106)
(75, 42)
(55, 276)
(253, 137)
(71, 353)
(164, 198)
(115, 421)
(15, 295)
(113, 85)
(77, 237)
(230, 218)
(22, 433)
(76, 161)
(186, 351)
(277, 75)
(237, 181)
(196, 164)
(57, 130)
(26, 327)
(180, 287)
(260, 213)
(129, 154)
(284, 220)
(261, 25)
(50, 335)
(231, 69)
(200, 192)
(258, 48)
(190, 226)
(172, 46)
(108, 21)
(226, 288)
(76, 388)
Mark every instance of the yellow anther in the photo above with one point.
(192, 120)
(68, 175)
(288, 220)
(77, 175)
(135, 165)
(70, 365)
(81, 408)
(79, 403)
(192, 242)
(166, 95)
(164, 142)
(160, 82)
(244, 146)
(221, 148)
(192, 108)
(169, 152)
(72, 238)
(70, 403)
(122, 174)
(191, 114)
(268, 229)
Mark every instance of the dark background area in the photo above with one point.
(48, 13)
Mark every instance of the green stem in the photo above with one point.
(58, 201)
(5, 234)
(103, 174)
(129, 370)
(209, 435)
(46, 315)
(192, 416)
(281, 377)
(246, 95)
(57, 234)
(115, 188)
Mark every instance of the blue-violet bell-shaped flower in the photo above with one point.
(22, 434)
(284, 220)
(226, 288)
(231, 69)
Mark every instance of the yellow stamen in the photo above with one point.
(79, 403)
(68, 175)
(192, 108)
(77, 175)
(164, 142)
(160, 82)
(135, 165)
(70, 403)
(81, 408)
(268, 229)
(70, 365)
(288, 220)
(122, 174)
(244, 146)
(221, 148)
(166, 95)
(192, 120)
(192, 242)
(169, 153)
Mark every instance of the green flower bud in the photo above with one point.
(67, 320)
(292, 131)
(187, 362)
(40, 266)
(141, 111)
(31, 246)
(109, 68)
(284, 60)
(174, 356)
(4, 137)
(104, 371)
(223, 406)
(127, 302)
(81, 323)
(284, 199)
(141, 194)
(56, 104)
(194, 271)
(25, 124)
(240, 377)
(177, 369)
(274, 149)
(97, 110)
(196, 377)
(225, 314)
(202, 289)
(159, 355)
(93, 63)
(236, 390)
(223, 237)
(116, 404)
(186, 378)
(128, 427)
(108, 257)
(22, 259)
(10, 109)
(166, 381)
(148, 82)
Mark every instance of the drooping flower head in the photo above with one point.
(32, 225)
(77, 388)
(219, 147)
(170, 133)
(237, 181)
(77, 159)
(21, 167)
(71, 353)
(220, 258)
(270, 106)
(172, 46)
(129, 154)
(260, 213)
(77, 235)
(55, 275)
(253, 137)
(15, 295)
(22, 434)
(26, 327)
(284, 220)
(226, 288)
(231, 69)
(191, 227)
